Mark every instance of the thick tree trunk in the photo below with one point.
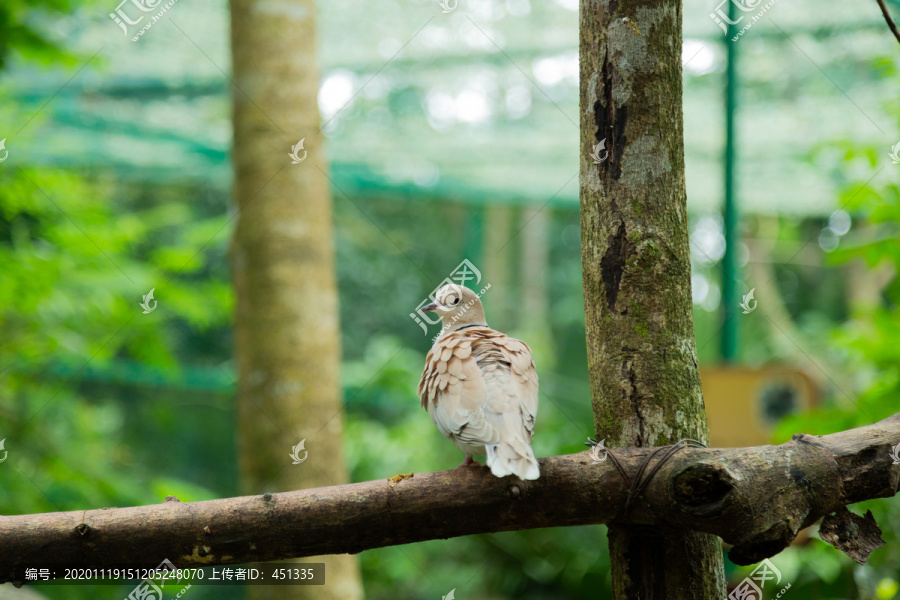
(755, 498)
(287, 334)
(642, 360)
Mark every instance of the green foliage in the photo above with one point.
(75, 269)
(866, 347)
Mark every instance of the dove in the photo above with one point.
(480, 387)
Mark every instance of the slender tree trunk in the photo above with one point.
(497, 250)
(534, 308)
(535, 254)
(642, 360)
(286, 330)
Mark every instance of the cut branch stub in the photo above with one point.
(756, 499)
(790, 491)
(703, 490)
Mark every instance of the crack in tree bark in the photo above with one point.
(612, 265)
(610, 122)
(637, 401)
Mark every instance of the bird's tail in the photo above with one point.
(515, 458)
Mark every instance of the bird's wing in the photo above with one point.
(511, 405)
(453, 390)
(512, 383)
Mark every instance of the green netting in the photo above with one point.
(479, 105)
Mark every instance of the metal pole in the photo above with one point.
(729, 348)
(473, 239)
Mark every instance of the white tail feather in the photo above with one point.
(503, 460)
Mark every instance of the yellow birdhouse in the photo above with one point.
(744, 404)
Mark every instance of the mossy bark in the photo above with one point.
(286, 330)
(642, 359)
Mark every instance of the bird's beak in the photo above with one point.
(430, 307)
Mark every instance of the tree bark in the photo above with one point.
(286, 328)
(755, 498)
(642, 360)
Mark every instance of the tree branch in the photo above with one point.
(754, 498)
(888, 19)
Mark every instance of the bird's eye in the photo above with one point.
(455, 301)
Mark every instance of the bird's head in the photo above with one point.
(457, 306)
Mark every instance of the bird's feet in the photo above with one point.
(469, 462)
